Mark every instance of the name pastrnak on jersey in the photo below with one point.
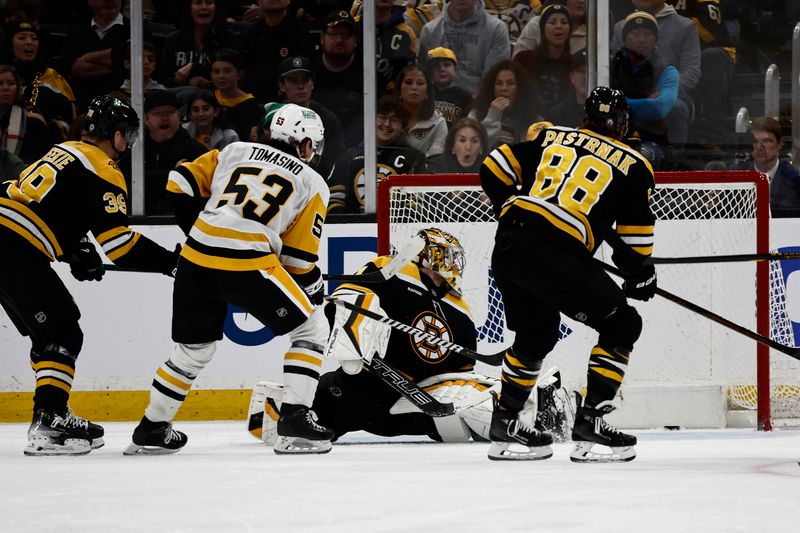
(264, 207)
(412, 298)
(75, 188)
(579, 182)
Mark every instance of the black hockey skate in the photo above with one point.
(155, 438)
(590, 429)
(95, 431)
(58, 434)
(514, 439)
(299, 432)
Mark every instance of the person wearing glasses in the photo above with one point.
(784, 179)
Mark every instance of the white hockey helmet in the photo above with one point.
(293, 124)
(444, 255)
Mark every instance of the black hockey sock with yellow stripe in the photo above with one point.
(605, 374)
(55, 370)
(518, 378)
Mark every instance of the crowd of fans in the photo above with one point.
(455, 78)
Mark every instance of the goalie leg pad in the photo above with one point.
(264, 411)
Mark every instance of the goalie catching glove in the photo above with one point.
(355, 339)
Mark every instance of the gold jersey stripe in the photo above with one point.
(115, 254)
(53, 382)
(557, 222)
(227, 263)
(635, 230)
(288, 283)
(55, 366)
(27, 235)
(110, 234)
(36, 220)
(610, 374)
(497, 171)
(294, 356)
(228, 233)
(512, 160)
(173, 380)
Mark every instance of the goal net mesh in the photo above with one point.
(677, 346)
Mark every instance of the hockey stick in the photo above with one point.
(410, 390)
(494, 359)
(778, 256)
(766, 341)
(403, 257)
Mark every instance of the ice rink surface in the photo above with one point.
(226, 481)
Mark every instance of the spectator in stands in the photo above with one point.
(166, 145)
(339, 78)
(717, 57)
(784, 179)
(465, 148)
(31, 11)
(505, 103)
(394, 156)
(296, 84)
(570, 111)
(531, 35)
(45, 91)
(650, 87)
(679, 46)
(451, 101)
(515, 14)
(396, 44)
(274, 37)
(242, 110)
(22, 133)
(187, 52)
(417, 12)
(549, 64)
(478, 39)
(206, 123)
(148, 68)
(426, 128)
(96, 50)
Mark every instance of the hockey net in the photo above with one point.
(698, 214)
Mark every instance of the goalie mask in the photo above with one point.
(444, 255)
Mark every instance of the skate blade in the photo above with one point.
(296, 445)
(583, 453)
(98, 443)
(43, 447)
(513, 451)
(135, 449)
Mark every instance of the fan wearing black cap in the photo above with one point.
(339, 77)
(166, 144)
(274, 37)
(296, 84)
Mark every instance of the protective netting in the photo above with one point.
(677, 346)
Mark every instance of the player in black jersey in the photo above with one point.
(45, 216)
(557, 198)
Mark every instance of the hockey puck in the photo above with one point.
(672, 428)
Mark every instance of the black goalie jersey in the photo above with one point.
(412, 298)
(75, 188)
(578, 181)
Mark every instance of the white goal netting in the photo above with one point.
(696, 216)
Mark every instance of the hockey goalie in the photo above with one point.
(425, 293)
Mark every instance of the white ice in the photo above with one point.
(226, 481)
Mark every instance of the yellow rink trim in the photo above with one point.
(124, 406)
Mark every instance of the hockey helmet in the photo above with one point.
(444, 255)
(609, 107)
(107, 115)
(292, 124)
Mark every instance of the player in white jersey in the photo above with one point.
(254, 244)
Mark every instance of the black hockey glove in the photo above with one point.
(85, 263)
(641, 285)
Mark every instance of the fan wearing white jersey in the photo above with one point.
(253, 245)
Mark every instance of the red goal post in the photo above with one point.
(699, 213)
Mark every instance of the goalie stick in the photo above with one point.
(788, 350)
(410, 390)
(494, 359)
